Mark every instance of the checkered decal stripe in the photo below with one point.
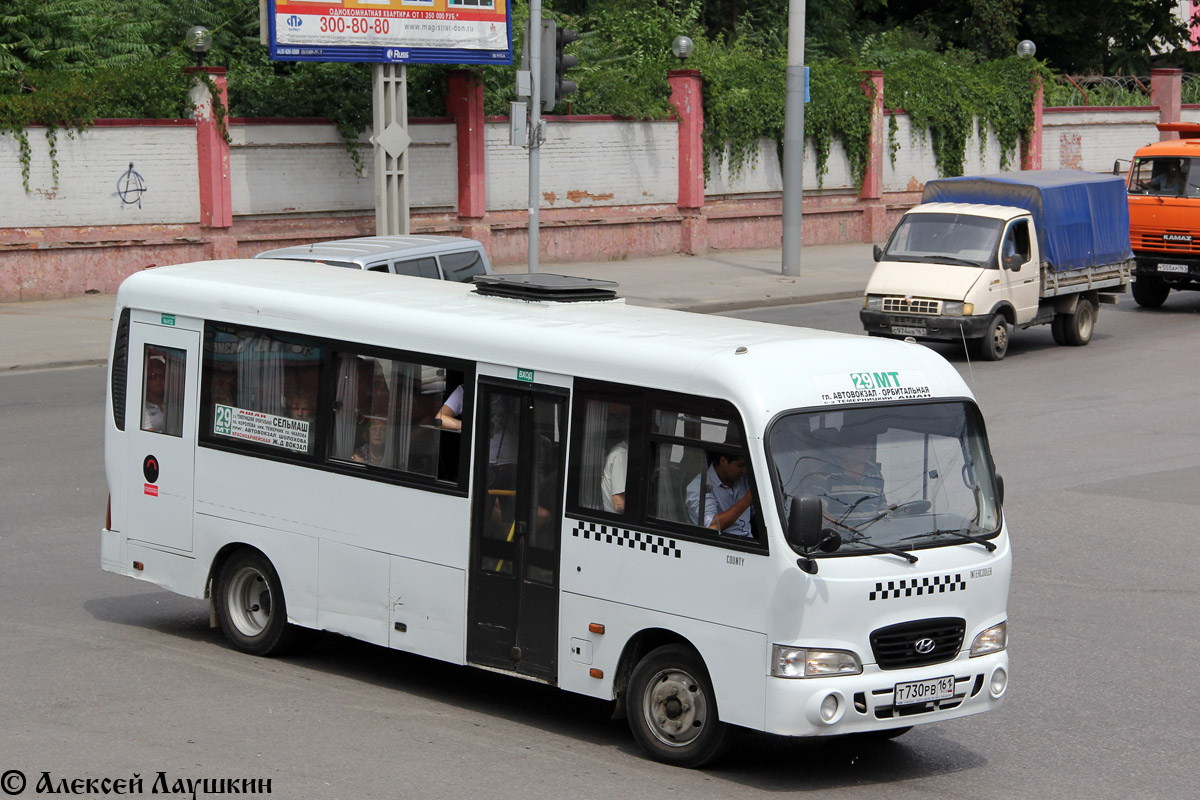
(607, 534)
(918, 586)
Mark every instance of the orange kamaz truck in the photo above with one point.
(1164, 215)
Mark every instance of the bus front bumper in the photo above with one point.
(866, 703)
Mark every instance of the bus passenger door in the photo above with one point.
(160, 423)
(512, 615)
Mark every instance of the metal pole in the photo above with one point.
(793, 140)
(534, 37)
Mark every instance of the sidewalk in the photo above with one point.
(75, 332)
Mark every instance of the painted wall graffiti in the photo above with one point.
(130, 187)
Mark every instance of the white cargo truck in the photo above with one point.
(982, 256)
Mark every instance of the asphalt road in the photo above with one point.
(106, 677)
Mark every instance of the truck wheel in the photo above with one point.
(994, 344)
(250, 607)
(672, 709)
(1150, 293)
(1078, 327)
(1058, 329)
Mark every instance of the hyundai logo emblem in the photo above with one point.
(925, 646)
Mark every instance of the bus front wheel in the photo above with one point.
(672, 709)
(250, 605)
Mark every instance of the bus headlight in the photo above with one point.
(957, 309)
(806, 662)
(873, 302)
(993, 640)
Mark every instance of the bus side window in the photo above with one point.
(605, 458)
(163, 372)
(384, 414)
(698, 470)
(260, 388)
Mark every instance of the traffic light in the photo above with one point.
(554, 63)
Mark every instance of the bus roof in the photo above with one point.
(762, 368)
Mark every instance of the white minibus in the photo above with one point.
(716, 523)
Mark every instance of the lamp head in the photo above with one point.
(199, 41)
(681, 47)
(1026, 49)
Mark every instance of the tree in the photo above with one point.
(1113, 37)
(70, 34)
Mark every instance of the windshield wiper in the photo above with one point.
(950, 260)
(991, 546)
(860, 539)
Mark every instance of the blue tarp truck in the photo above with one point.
(982, 256)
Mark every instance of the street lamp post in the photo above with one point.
(793, 140)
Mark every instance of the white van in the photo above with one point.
(447, 258)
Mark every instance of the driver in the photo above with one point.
(851, 479)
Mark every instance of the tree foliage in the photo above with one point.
(76, 35)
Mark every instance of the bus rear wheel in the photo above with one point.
(672, 709)
(250, 606)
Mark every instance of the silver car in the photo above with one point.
(447, 258)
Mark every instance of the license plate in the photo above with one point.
(1172, 267)
(924, 691)
(903, 330)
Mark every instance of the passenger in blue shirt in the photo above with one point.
(728, 500)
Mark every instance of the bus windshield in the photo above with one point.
(899, 476)
(960, 239)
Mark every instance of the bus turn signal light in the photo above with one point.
(595, 627)
(596, 673)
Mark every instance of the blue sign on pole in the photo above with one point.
(806, 84)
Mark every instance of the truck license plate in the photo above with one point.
(1172, 267)
(904, 330)
(924, 691)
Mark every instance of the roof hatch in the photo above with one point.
(546, 287)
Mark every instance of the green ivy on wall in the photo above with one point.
(61, 99)
(743, 85)
(945, 97)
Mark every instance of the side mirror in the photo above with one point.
(877, 252)
(1117, 167)
(1000, 489)
(804, 522)
(1013, 263)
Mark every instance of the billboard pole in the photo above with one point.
(390, 140)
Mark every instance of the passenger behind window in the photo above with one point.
(728, 501)
(612, 480)
(300, 407)
(374, 450)
(448, 415)
(153, 416)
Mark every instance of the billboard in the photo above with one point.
(391, 31)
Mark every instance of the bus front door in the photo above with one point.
(512, 616)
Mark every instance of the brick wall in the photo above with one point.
(134, 173)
